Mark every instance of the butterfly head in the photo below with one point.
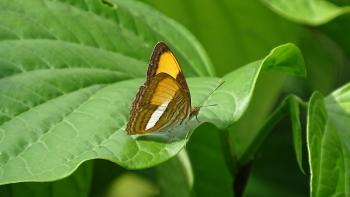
(194, 111)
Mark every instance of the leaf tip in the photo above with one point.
(286, 57)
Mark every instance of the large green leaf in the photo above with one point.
(328, 143)
(51, 65)
(64, 91)
(76, 185)
(48, 140)
(313, 12)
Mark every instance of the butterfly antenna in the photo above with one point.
(208, 105)
(211, 92)
(195, 110)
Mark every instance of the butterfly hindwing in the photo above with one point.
(163, 103)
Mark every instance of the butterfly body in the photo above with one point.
(164, 100)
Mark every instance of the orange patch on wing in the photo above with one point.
(164, 92)
(168, 64)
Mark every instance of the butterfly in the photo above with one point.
(163, 101)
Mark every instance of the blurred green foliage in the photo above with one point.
(233, 33)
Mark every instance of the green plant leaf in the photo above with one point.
(128, 29)
(312, 12)
(51, 65)
(271, 138)
(63, 87)
(290, 106)
(176, 172)
(238, 86)
(88, 122)
(207, 156)
(76, 185)
(328, 137)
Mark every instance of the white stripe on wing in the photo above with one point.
(156, 115)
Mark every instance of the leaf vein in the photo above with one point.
(39, 139)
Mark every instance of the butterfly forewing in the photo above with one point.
(164, 61)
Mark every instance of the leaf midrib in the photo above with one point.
(92, 69)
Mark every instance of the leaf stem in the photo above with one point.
(285, 108)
